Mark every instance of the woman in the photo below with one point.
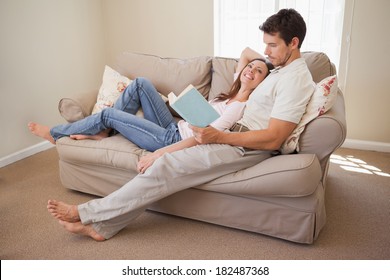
(158, 128)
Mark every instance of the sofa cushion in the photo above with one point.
(113, 152)
(167, 74)
(319, 65)
(222, 75)
(113, 84)
(281, 176)
(321, 101)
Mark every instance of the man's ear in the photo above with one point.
(294, 42)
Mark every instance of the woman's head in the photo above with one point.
(250, 76)
(255, 72)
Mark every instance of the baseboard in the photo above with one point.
(25, 153)
(366, 145)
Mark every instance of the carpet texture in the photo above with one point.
(357, 204)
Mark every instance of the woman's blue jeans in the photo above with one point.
(156, 130)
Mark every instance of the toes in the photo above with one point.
(51, 202)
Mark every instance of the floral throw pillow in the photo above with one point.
(112, 86)
(322, 100)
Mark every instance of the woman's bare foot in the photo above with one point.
(41, 131)
(63, 211)
(79, 228)
(101, 135)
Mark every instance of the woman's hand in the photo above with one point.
(147, 161)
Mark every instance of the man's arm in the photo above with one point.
(271, 138)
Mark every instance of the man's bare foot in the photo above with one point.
(101, 135)
(63, 211)
(79, 228)
(41, 131)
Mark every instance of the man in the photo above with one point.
(273, 111)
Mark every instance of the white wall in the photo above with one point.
(170, 28)
(48, 49)
(367, 82)
(52, 48)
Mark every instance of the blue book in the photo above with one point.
(191, 105)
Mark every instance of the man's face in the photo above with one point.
(276, 50)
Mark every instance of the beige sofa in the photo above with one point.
(281, 197)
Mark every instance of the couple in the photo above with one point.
(272, 112)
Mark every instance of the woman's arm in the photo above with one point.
(247, 55)
(229, 116)
(146, 161)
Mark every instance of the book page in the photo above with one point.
(173, 97)
(188, 88)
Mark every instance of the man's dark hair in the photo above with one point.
(289, 23)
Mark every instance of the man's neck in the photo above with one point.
(294, 55)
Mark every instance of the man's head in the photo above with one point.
(284, 33)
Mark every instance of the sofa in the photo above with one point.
(282, 197)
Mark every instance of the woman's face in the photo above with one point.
(253, 74)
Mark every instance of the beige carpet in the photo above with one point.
(358, 220)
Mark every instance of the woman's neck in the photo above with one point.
(242, 95)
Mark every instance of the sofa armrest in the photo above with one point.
(325, 134)
(77, 107)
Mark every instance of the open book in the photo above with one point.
(191, 105)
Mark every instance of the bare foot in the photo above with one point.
(63, 211)
(98, 136)
(101, 135)
(79, 228)
(41, 131)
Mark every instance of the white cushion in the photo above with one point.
(321, 101)
(112, 86)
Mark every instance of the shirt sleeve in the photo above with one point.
(292, 98)
(231, 114)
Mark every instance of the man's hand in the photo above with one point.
(205, 135)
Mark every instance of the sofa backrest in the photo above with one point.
(319, 65)
(223, 70)
(167, 74)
